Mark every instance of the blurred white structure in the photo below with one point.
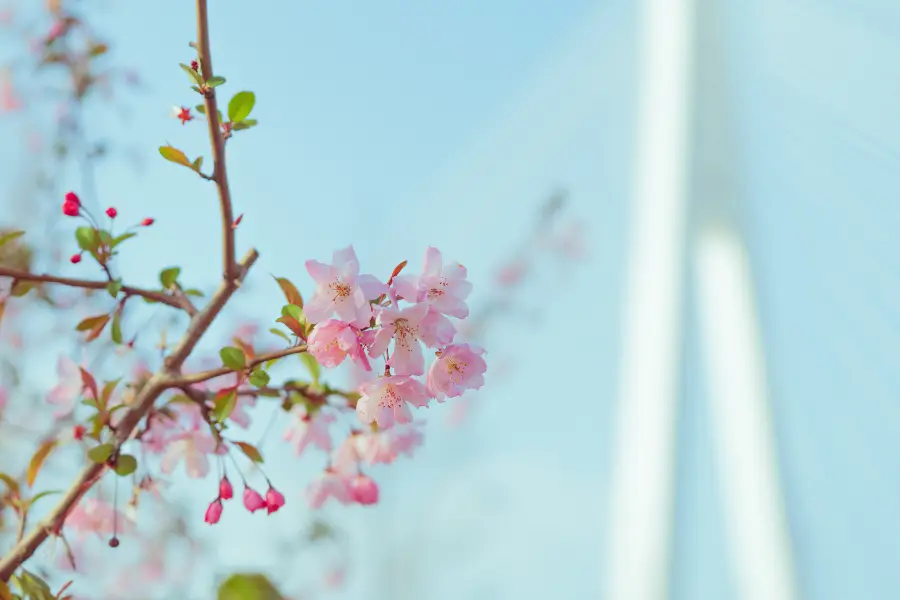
(684, 216)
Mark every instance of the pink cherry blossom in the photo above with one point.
(443, 287)
(191, 446)
(364, 489)
(213, 512)
(330, 484)
(436, 330)
(386, 400)
(93, 515)
(68, 390)
(309, 428)
(341, 289)
(403, 326)
(274, 500)
(331, 341)
(458, 368)
(252, 500)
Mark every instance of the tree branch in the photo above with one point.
(219, 175)
(193, 378)
(143, 401)
(91, 285)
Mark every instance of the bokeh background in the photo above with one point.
(399, 125)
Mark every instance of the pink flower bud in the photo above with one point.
(147, 222)
(364, 489)
(75, 259)
(213, 512)
(252, 500)
(71, 209)
(111, 212)
(226, 492)
(274, 500)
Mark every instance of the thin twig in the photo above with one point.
(219, 175)
(160, 297)
(193, 378)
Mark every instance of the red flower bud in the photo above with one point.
(226, 492)
(147, 222)
(111, 212)
(71, 209)
(75, 259)
(78, 432)
(195, 65)
(73, 198)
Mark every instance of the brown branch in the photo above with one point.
(160, 297)
(143, 402)
(219, 174)
(193, 378)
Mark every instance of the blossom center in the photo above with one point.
(341, 290)
(389, 397)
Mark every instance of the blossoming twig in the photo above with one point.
(160, 297)
(193, 378)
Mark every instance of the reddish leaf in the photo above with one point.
(290, 292)
(37, 461)
(293, 324)
(396, 272)
(89, 383)
(250, 451)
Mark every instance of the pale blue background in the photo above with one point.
(403, 124)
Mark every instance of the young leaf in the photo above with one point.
(37, 497)
(225, 402)
(22, 287)
(5, 592)
(198, 162)
(114, 287)
(116, 330)
(119, 239)
(126, 464)
(259, 378)
(250, 586)
(233, 358)
(108, 389)
(168, 277)
(215, 81)
(97, 329)
(280, 334)
(100, 454)
(200, 108)
(314, 369)
(240, 106)
(293, 325)
(250, 451)
(88, 382)
(396, 272)
(194, 75)
(8, 237)
(87, 238)
(194, 292)
(290, 292)
(293, 311)
(11, 483)
(174, 155)
(37, 461)
(91, 322)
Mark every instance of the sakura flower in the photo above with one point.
(331, 341)
(252, 500)
(213, 512)
(182, 114)
(458, 367)
(274, 500)
(436, 330)
(364, 489)
(329, 485)
(341, 289)
(443, 287)
(67, 391)
(403, 327)
(92, 515)
(386, 400)
(160, 428)
(191, 446)
(309, 429)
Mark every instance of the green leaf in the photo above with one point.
(200, 108)
(281, 334)
(174, 155)
(8, 237)
(198, 162)
(293, 311)
(168, 277)
(118, 240)
(215, 81)
(259, 378)
(106, 394)
(34, 587)
(194, 75)
(240, 106)
(87, 238)
(37, 497)
(37, 461)
(116, 329)
(22, 287)
(224, 405)
(312, 365)
(194, 292)
(250, 451)
(11, 483)
(114, 287)
(105, 237)
(290, 293)
(233, 358)
(126, 464)
(100, 454)
(248, 586)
